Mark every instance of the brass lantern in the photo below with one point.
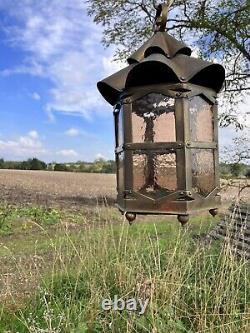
(166, 128)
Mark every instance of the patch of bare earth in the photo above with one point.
(234, 190)
(61, 189)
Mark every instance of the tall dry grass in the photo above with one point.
(191, 287)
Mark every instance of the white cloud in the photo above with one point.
(68, 153)
(61, 43)
(36, 96)
(110, 66)
(33, 134)
(30, 67)
(23, 147)
(72, 132)
(100, 156)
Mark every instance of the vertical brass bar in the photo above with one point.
(116, 112)
(128, 154)
(184, 173)
(216, 151)
(116, 117)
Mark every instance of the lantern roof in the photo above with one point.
(162, 59)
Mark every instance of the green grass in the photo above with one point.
(191, 288)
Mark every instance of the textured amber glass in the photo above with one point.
(203, 171)
(166, 171)
(153, 119)
(153, 172)
(201, 120)
(139, 171)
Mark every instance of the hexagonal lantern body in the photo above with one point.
(166, 130)
(167, 149)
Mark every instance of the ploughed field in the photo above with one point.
(74, 190)
(62, 189)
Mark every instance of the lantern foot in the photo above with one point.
(183, 219)
(213, 212)
(130, 217)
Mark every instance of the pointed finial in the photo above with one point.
(161, 17)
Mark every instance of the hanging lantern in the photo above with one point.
(166, 128)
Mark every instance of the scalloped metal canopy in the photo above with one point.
(162, 59)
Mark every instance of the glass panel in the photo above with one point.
(153, 119)
(203, 172)
(120, 172)
(166, 171)
(201, 120)
(154, 172)
(120, 128)
(139, 171)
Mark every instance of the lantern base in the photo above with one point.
(171, 205)
(183, 219)
(213, 212)
(139, 205)
(130, 217)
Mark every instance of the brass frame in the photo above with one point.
(184, 201)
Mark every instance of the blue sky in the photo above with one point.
(50, 60)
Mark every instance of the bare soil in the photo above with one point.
(63, 189)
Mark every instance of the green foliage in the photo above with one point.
(36, 164)
(60, 167)
(102, 166)
(30, 164)
(5, 217)
(25, 218)
(33, 164)
(40, 215)
(236, 169)
(1, 163)
(98, 166)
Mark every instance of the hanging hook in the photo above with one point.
(161, 17)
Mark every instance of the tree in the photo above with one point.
(236, 169)
(98, 165)
(218, 29)
(24, 165)
(236, 154)
(36, 164)
(239, 151)
(60, 167)
(247, 174)
(2, 163)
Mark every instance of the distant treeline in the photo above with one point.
(98, 166)
(104, 166)
(228, 170)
